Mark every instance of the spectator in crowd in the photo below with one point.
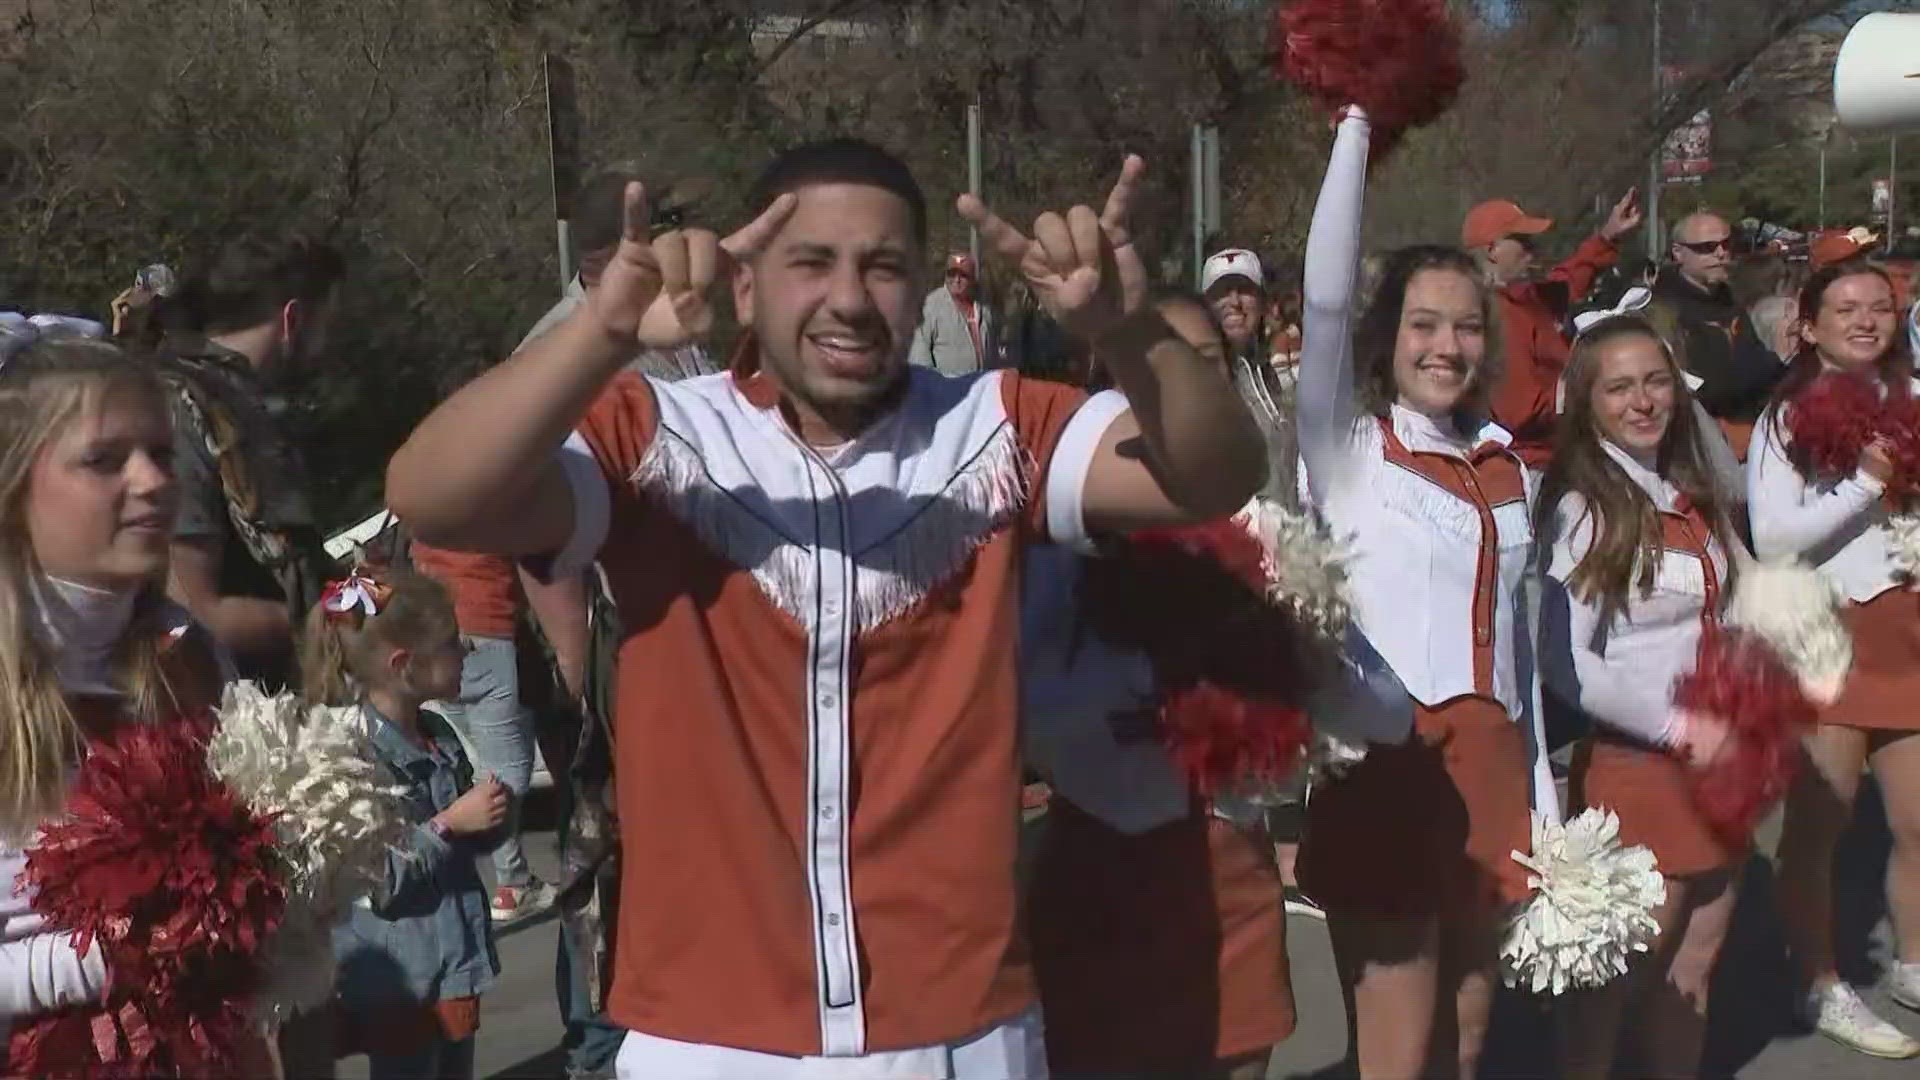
(1534, 312)
(248, 557)
(1283, 321)
(489, 713)
(1233, 285)
(958, 334)
(1718, 342)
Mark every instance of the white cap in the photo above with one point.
(1233, 262)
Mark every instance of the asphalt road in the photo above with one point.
(1755, 1034)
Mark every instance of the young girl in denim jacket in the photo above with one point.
(415, 956)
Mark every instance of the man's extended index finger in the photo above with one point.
(1010, 242)
(1120, 199)
(751, 239)
(634, 216)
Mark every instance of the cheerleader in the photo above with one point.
(1158, 932)
(1848, 324)
(1410, 853)
(88, 641)
(1639, 540)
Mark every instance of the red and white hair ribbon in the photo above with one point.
(355, 591)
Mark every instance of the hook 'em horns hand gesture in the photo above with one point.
(1083, 267)
(658, 292)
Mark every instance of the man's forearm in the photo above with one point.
(475, 457)
(1200, 438)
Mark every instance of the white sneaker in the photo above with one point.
(1840, 1015)
(1903, 984)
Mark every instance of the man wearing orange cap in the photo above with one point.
(956, 335)
(1533, 311)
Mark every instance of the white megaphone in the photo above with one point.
(1876, 81)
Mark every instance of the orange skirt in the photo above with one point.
(1648, 790)
(1428, 827)
(1883, 689)
(1162, 952)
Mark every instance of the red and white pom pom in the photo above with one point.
(1741, 681)
(1397, 59)
(1832, 421)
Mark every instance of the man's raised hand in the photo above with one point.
(690, 262)
(1082, 266)
(632, 279)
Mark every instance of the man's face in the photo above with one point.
(1512, 258)
(1702, 247)
(960, 282)
(833, 300)
(1238, 304)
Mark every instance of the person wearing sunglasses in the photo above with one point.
(1502, 237)
(1718, 342)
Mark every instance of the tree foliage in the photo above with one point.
(413, 133)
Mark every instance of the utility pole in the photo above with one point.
(1893, 191)
(1655, 174)
(563, 155)
(973, 173)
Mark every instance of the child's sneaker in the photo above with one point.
(512, 902)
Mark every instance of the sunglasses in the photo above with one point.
(1706, 247)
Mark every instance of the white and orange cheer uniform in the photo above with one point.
(1159, 934)
(1840, 525)
(1621, 671)
(817, 707)
(1436, 520)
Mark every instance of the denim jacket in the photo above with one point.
(425, 934)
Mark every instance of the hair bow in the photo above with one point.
(18, 331)
(340, 599)
(1634, 299)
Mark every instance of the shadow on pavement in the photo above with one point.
(547, 1066)
(1756, 989)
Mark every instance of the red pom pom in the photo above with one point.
(1899, 425)
(1218, 738)
(1194, 599)
(1397, 59)
(1742, 682)
(1832, 421)
(161, 867)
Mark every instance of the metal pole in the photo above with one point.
(1893, 190)
(1655, 177)
(1823, 183)
(1199, 171)
(563, 155)
(973, 173)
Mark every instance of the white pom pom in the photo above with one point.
(313, 772)
(1591, 910)
(1796, 610)
(1903, 540)
(1306, 566)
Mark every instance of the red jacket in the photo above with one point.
(1532, 315)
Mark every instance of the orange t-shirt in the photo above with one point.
(485, 588)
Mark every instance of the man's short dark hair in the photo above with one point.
(840, 161)
(252, 276)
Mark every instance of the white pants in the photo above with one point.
(1014, 1050)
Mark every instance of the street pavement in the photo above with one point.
(1755, 1036)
